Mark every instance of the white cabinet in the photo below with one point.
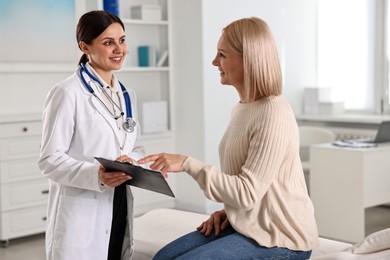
(343, 183)
(23, 190)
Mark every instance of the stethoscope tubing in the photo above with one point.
(129, 123)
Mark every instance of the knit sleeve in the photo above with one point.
(269, 140)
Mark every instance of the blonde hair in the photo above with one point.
(252, 38)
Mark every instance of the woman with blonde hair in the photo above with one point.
(267, 212)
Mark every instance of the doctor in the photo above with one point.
(90, 114)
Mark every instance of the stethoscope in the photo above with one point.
(129, 123)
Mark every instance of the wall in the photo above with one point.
(203, 104)
(47, 53)
(188, 92)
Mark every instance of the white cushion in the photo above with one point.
(158, 227)
(348, 255)
(328, 246)
(373, 243)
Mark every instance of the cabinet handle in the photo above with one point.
(45, 192)
(25, 129)
(44, 218)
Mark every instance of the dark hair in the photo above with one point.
(91, 25)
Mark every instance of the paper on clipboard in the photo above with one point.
(142, 178)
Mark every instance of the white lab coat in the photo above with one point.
(77, 128)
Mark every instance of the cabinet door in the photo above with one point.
(24, 194)
(20, 129)
(23, 222)
(19, 170)
(19, 148)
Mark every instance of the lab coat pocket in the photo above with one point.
(76, 218)
(91, 121)
(92, 125)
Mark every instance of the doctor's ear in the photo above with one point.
(84, 47)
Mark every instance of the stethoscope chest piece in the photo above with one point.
(129, 125)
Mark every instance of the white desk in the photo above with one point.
(345, 181)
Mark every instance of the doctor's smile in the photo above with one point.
(117, 59)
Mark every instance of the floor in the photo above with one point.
(377, 218)
(33, 247)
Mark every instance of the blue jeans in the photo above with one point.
(228, 245)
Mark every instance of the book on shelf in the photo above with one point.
(163, 59)
(147, 56)
(111, 6)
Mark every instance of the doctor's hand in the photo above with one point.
(218, 220)
(165, 162)
(113, 179)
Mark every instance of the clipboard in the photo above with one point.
(142, 178)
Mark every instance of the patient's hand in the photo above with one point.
(218, 220)
(165, 162)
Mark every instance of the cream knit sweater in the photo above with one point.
(261, 181)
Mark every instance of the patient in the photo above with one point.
(267, 211)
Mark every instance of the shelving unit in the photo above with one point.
(150, 84)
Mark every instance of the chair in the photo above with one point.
(309, 135)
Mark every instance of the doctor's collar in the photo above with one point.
(115, 86)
